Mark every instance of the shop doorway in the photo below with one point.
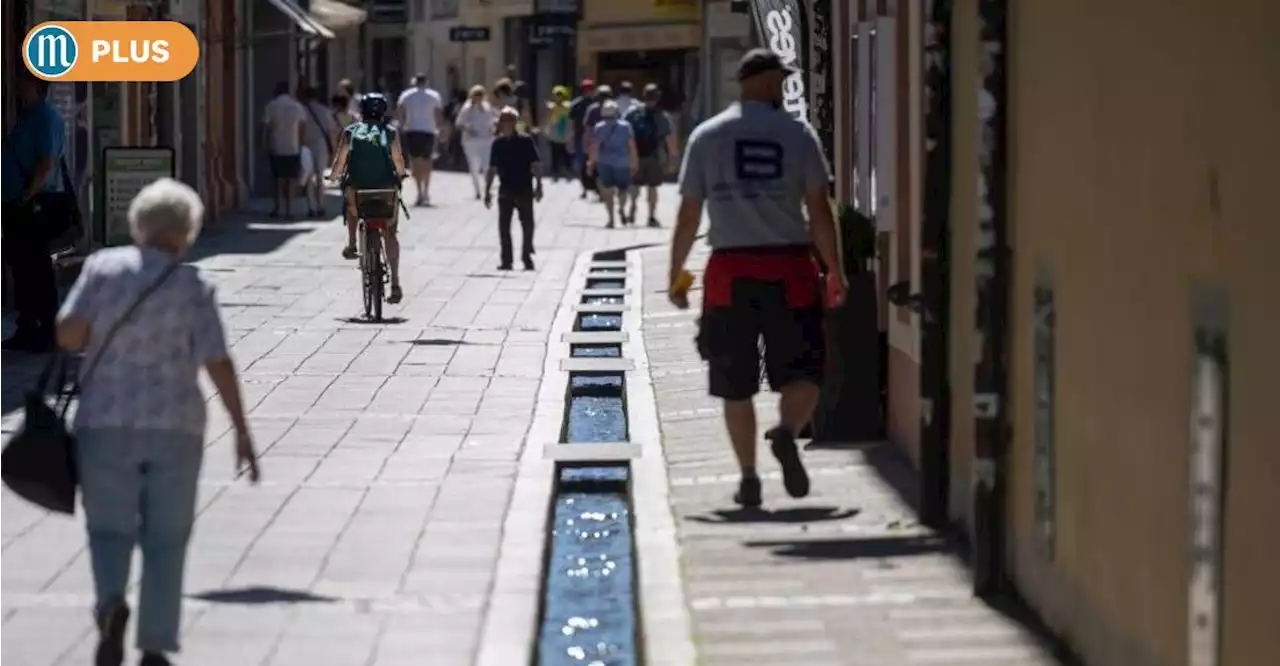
(665, 68)
(388, 65)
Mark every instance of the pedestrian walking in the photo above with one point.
(38, 206)
(147, 324)
(558, 131)
(348, 89)
(321, 137)
(283, 126)
(515, 163)
(655, 146)
(341, 109)
(420, 113)
(758, 170)
(577, 118)
(476, 122)
(626, 100)
(613, 159)
(504, 94)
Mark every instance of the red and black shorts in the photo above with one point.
(769, 293)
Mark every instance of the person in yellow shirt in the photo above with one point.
(558, 132)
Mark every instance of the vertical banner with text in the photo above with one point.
(803, 39)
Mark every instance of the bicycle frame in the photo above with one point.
(375, 210)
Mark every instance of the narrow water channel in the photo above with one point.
(599, 322)
(589, 614)
(589, 597)
(596, 410)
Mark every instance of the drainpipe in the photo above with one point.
(990, 387)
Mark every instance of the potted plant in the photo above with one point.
(849, 409)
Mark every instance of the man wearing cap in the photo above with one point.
(757, 169)
(577, 119)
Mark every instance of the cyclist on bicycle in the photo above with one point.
(369, 158)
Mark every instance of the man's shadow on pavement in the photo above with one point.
(806, 514)
(261, 594)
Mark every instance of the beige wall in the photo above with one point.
(1124, 116)
(491, 13)
(903, 325)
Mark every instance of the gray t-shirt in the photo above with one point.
(752, 164)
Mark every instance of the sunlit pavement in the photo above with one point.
(389, 451)
(845, 576)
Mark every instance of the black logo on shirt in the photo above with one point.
(757, 159)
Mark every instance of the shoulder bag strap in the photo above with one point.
(115, 327)
(323, 132)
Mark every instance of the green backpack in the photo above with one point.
(369, 165)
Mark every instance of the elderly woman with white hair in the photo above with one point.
(612, 157)
(146, 323)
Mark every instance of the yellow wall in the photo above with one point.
(1123, 114)
(597, 12)
(635, 25)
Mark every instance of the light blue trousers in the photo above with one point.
(139, 489)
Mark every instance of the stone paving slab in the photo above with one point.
(844, 577)
(391, 452)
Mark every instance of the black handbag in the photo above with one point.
(60, 211)
(39, 463)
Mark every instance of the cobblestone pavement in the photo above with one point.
(389, 451)
(845, 576)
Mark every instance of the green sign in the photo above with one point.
(125, 171)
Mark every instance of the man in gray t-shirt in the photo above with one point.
(757, 169)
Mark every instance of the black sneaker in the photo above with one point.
(654, 223)
(112, 622)
(154, 659)
(528, 264)
(748, 495)
(794, 478)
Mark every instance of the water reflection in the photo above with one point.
(600, 322)
(589, 618)
(594, 415)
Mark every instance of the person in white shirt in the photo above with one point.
(626, 101)
(283, 128)
(420, 112)
(476, 122)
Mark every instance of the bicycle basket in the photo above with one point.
(376, 204)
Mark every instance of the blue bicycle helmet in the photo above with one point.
(373, 107)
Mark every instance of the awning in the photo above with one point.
(301, 19)
(337, 15)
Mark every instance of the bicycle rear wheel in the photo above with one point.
(373, 280)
